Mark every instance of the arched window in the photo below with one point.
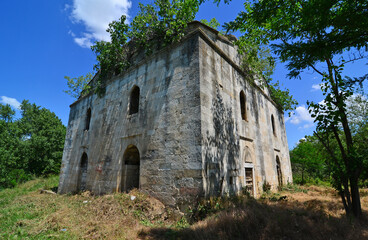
(273, 125)
(243, 107)
(278, 170)
(82, 176)
(134, 100)
(88, 119)
(131, 160)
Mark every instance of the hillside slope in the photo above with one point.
(297, 213)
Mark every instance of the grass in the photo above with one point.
(293, 213)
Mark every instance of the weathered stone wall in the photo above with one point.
(188, 134)
(166, 129)
(230, 143)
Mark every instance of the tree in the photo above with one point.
(307, 161)
(213, 23)
(308, 34)
(6, 113)
(257, 61)
(155, 26)
(78, 85)
(31, 145)
(9, 143)
(43, 136)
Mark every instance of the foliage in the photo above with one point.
(259, 63)
(213, 23)
(29, 146)
(78, 85)
(312, 164)
(308, 33)
(155, 26)
(209, 206)
(293, 188)
(112, 57)
(6, 113)
(282, 98)
(266, 186)
(307, 161)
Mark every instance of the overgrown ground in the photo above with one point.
(295, 213)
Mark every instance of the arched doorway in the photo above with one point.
(82, 176)
(131, 161)
(278, 169)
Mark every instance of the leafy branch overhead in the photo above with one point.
(258, 62)
(155, 26)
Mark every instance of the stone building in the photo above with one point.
(182, 123)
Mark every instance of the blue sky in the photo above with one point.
(45, 40)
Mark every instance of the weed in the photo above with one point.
(294, 188)
(182, 223)
(266, 186)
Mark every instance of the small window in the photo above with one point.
(88, 119)
(273, 125)
(134, 101)
(231, 180)
(243, 107)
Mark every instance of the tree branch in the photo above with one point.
(315, 69)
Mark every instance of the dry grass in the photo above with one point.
(315, 213)
(43, 216)
(88, 217)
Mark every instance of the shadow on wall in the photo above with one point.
(221, 151)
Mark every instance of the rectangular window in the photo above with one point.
(249, 180)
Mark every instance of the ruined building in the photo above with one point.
(181, 123)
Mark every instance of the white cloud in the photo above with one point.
(307, 125)
(11, 101)
(96, 15)
(70, 32)
(316, 87)
(301, 115)
(85, 41)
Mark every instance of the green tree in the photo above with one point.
(78, 85)
(307, 161)
(308, 34)
(9, 145)
(43, 136)
(31, 145)
(6, 113)
(155, 26)
(213, 23)
(357, 111)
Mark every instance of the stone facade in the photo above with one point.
(179, 124)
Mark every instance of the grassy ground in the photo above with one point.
(295, 213)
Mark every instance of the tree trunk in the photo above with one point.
(355, 197)
(343, 199)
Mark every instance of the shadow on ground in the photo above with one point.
(265, 220)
